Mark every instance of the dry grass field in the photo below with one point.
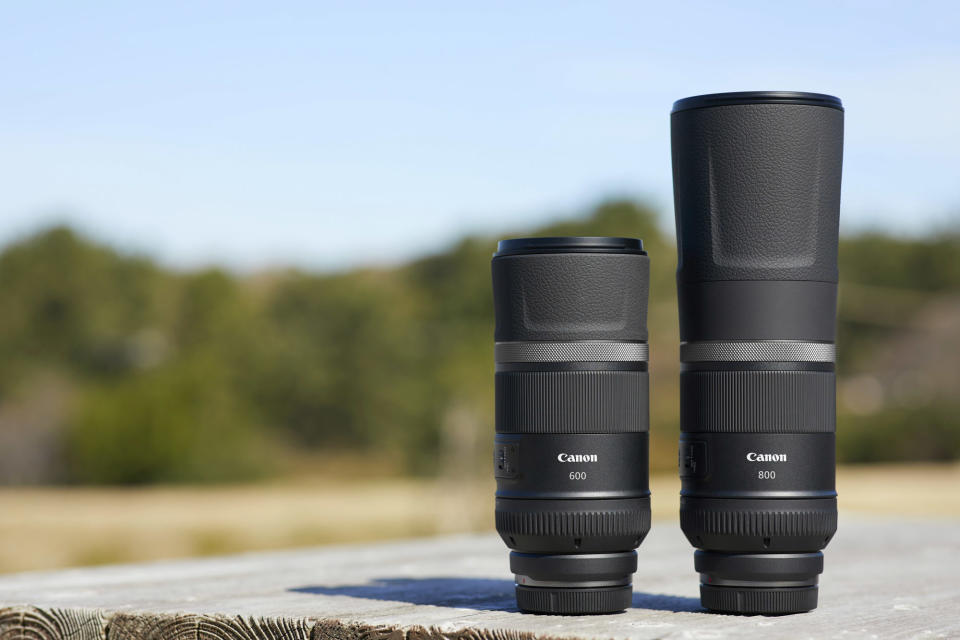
(44, 528)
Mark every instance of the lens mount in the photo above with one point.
(758, 583)
(574, 584)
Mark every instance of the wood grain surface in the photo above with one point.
(884, 578)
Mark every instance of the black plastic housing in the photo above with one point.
(563, 289)
(572, 524)
(757, 193)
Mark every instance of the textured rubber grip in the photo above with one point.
(572, 402)
(604, 518)
(571, 296)
(763, 601)
(758, 525)
(758, 401)
(574, 601)
(757, 192)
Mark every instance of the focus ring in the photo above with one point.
(629, 519)
(713, 519)
(758, 401)
(572, 402)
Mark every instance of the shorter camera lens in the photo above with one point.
(570, 455)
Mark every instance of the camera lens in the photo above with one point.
(570, 455)
(757, 195)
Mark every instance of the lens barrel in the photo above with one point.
(757, 195)
(571, 448)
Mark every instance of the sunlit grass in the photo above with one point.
(57, 527)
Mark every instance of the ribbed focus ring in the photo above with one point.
(764, 601)
(625, 522)
(758, 401)
(574, 601)
(818, 523)
(572, 402)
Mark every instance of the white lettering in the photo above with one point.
(577, 457)
(766, 457)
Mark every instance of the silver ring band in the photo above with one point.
(758, 351)
(579, 351)
(527, 581)
(706, 578)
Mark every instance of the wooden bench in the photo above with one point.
(884, 578)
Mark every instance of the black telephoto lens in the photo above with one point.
(757, 194)
(570, 455)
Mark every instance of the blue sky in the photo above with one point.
(331, 134)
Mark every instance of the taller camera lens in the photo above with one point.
(570, 454)
(757, 195)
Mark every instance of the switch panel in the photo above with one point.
(693, 459)
(506, 458)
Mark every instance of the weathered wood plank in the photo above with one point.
(51, 623)
(884, 578)
(146, 626)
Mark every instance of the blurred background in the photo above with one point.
(230, 232)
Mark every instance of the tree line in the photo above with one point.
(115, 369)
